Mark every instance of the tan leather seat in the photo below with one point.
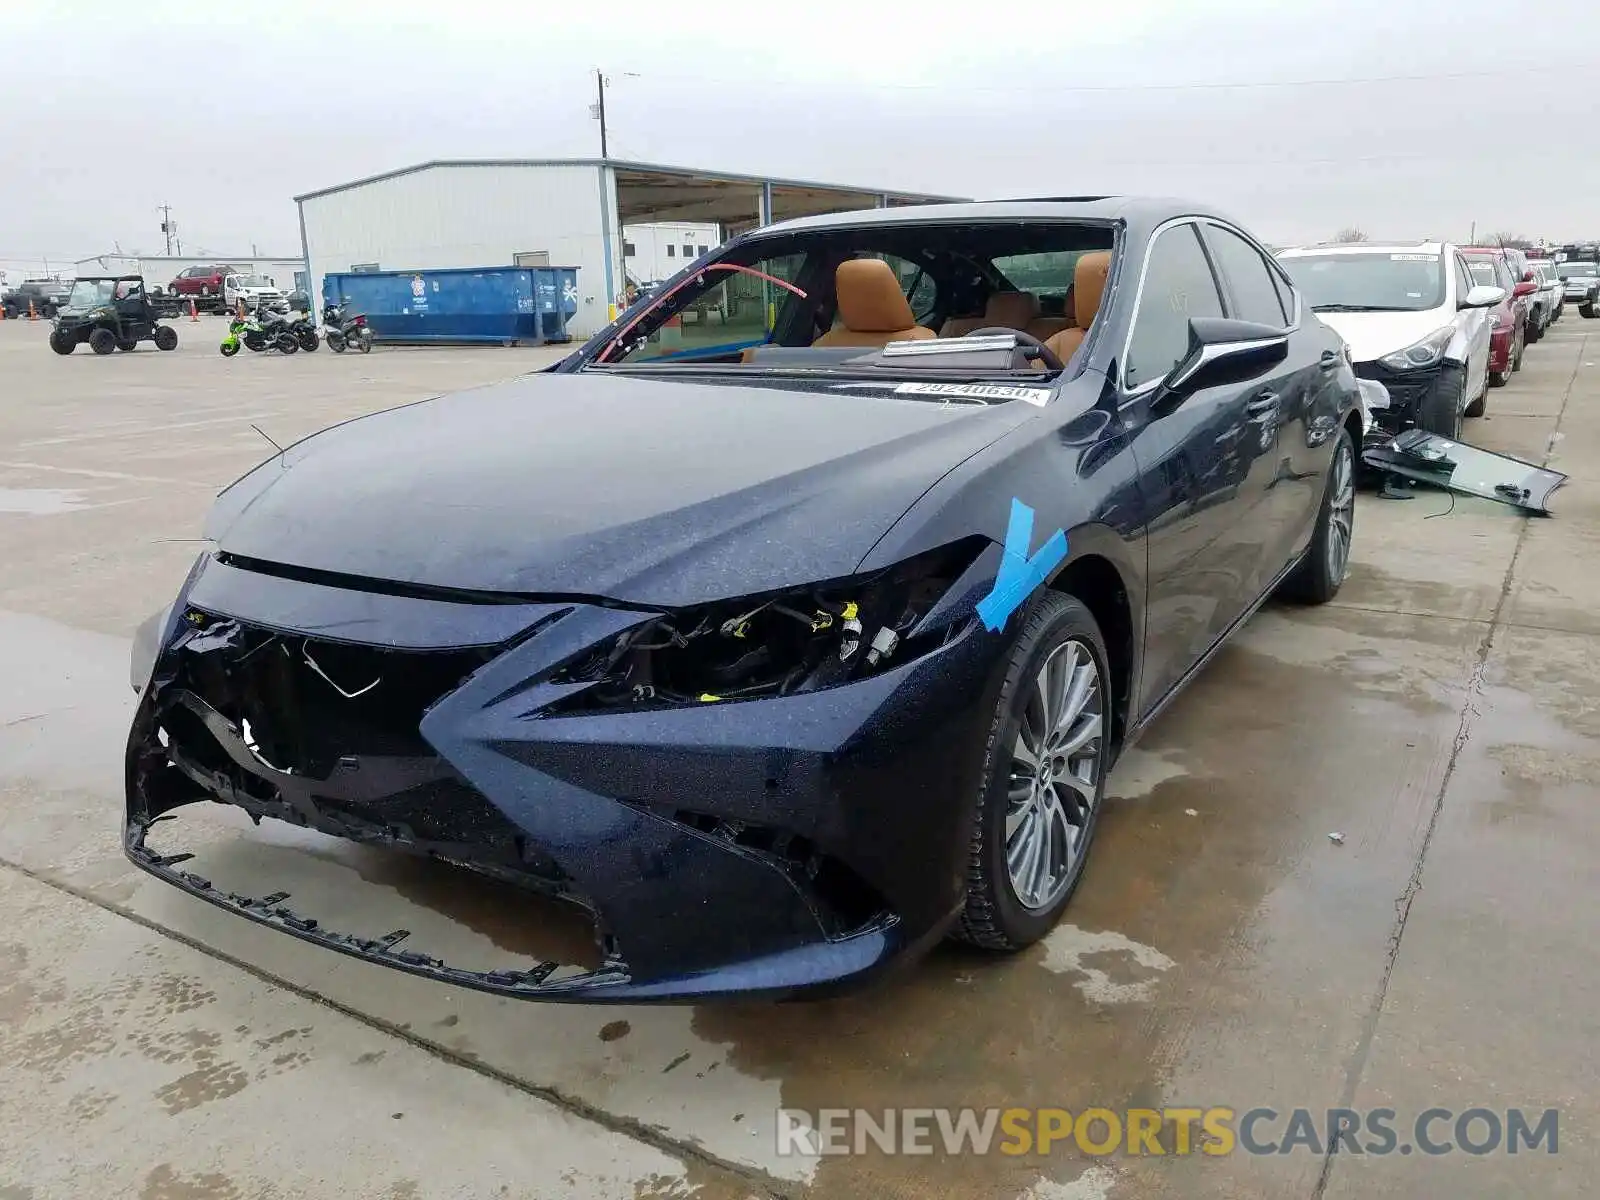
(1045, 328)
(1088, 284)
(872, 309)
(1003, 310)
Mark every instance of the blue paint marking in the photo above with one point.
(1019, 574)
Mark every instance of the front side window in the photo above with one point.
(1249, 276)
(1368, 281)
(1178, 286)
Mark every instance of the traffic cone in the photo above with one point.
(194, 313)
(33, 314)
(2, 312)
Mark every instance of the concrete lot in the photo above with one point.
(1442, 716)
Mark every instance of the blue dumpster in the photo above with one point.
(510, 305)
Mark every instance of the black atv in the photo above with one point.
(110, 312)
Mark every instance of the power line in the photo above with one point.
(1066, 88)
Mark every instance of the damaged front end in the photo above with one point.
(759, 795)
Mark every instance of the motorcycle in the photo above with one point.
(256, 336)
(346, 331)
(298, 324)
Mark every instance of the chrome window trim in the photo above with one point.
(1196, 219)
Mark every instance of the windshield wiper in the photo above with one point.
(1358, 308)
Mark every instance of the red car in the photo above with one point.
(202, 281)
(1492, 266)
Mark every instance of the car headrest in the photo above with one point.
(1011, 309)
(1088, 284)
(870, 299)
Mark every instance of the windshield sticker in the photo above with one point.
(1019, 574)
(977, 391)
(1413, 258)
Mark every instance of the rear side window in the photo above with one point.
(1249, 278)
(1178, 285)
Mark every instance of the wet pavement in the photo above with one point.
(1223, 950)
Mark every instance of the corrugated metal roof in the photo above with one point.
(624, 165)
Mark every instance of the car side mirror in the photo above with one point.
(1483, 295)
(1525, 289)
(1221, 351)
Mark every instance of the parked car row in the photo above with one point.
(1437, 324)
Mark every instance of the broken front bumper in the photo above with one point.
(763, 846)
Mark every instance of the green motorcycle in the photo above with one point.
(252, 335)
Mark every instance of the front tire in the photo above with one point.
(335, 341)
(229, 349)
(1587, 311)
(166, 337)
(103, 341)
(1323, 570)
(1441, 407)
(1043, 778)
(1517, 347)
(62, 344)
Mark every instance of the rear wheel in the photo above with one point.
(127, 344)
(166, 337)
(1321, 573)
(364, 342)
(102, 341)
(62, 344)
(1043, 778)
(1441, 407)
(1587, 311)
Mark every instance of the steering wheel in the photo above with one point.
(1046, 355)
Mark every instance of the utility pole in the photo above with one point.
(600, 108)
(166, 226)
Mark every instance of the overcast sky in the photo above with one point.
(1402, 117)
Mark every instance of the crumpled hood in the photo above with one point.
(668, 492)
(1372, 335)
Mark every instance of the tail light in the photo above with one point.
(361, 320)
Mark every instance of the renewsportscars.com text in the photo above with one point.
(1161, 1131)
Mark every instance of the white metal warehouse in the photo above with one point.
(545, 212)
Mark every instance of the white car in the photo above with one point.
(251, 290)
(1414, 320)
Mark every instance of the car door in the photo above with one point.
(1287, 422)
(1476, 325)
(1204, 470)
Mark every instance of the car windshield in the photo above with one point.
(255, 281)
(90, 293)
(863, 299)
(1368, 281)
(1578, 270)
(1482, 267)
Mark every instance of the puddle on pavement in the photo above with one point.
(1183, 926)
(40, 502)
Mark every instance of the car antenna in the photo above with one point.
(275, 445)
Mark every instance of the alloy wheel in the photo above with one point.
(1341, 512)
(1055, 775)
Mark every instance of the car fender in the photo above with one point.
(1074, 473)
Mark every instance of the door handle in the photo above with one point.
(1329, 360)
(1262, 404)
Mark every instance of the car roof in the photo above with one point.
(1364, 248)
(1144, 209)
